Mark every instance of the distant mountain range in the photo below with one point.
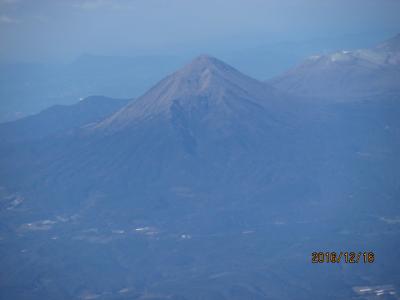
(27, 88)
(60, 119)
(347, 74)
(211, 185)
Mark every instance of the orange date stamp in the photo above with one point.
(342, 257)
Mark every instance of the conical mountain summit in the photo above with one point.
(204, 85)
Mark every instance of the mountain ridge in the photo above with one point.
(346, 75)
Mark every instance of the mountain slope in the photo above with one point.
(346, 75)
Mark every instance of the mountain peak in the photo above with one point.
(205, 60)
(203, 75)
(205, 79)
(204, 66)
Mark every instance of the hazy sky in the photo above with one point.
(63, 29)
